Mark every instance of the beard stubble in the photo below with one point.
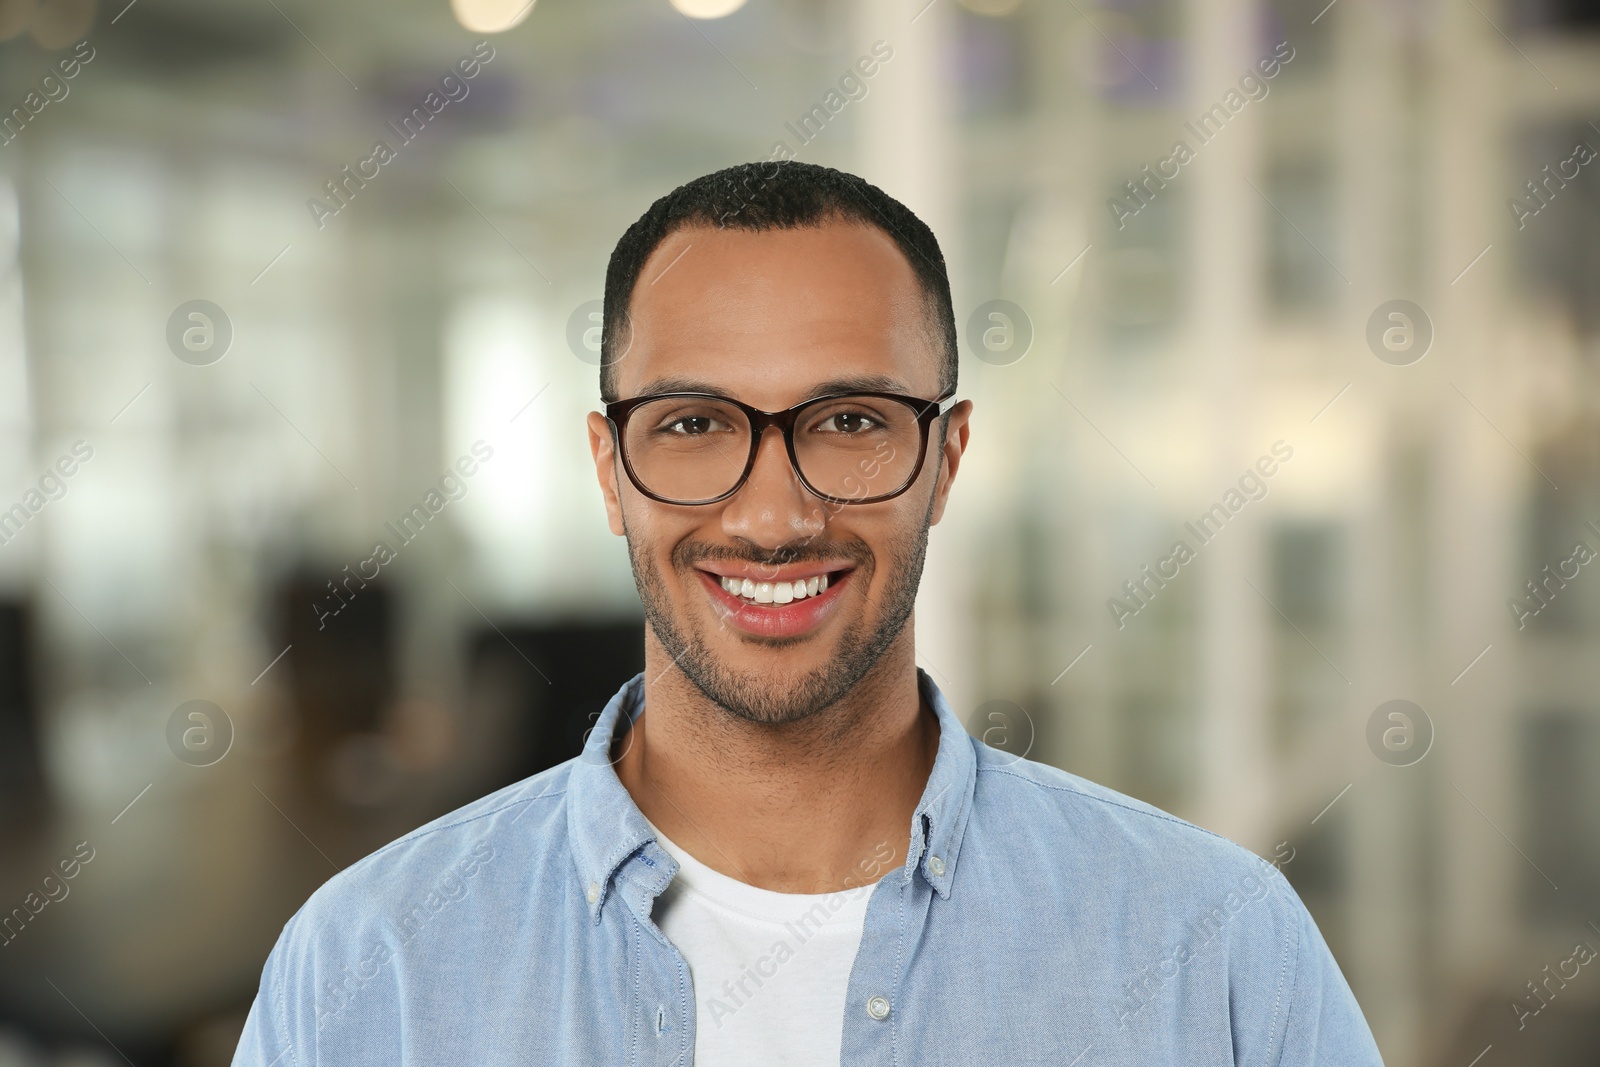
(749, 695)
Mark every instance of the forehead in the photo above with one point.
(769, 316)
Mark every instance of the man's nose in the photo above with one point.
(772, 509)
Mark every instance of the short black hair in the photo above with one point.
(775, 195)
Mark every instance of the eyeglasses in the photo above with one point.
(847, 448)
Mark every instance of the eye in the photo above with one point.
(847, 422)
(694, 425)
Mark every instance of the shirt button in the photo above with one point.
(878, 1007)
(594, 892)
(936, 865)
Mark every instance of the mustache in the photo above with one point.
(686, 554)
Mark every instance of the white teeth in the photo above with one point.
(776, 592)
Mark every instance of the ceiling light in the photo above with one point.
(490, 16)
(707, 9)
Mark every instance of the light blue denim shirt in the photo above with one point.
(1038, 919)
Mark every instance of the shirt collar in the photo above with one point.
(940, 821)
(606, 827)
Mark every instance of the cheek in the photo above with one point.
(653, 530)
(886, 532)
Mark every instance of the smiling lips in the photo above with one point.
(784, 607)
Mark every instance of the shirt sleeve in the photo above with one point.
(1325, 1025)
(263, 1042)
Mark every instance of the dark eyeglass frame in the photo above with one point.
(618, 411)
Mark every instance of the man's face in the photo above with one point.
(772, 319)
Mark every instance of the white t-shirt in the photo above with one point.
(770, 970)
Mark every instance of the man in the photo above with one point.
(779, 846)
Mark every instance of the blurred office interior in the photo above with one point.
(1171, 322)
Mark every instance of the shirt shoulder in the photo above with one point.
(344, 981)
(522, 819)
(1112, 828)
(1182, 905)
(480, 861)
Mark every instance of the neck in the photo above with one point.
(815, 806)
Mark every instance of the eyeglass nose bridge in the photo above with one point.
(784, 423)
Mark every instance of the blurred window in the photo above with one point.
(1290, 20)
(1307, 579)
(1561, 814)
(1139, 49)
(1557, 523)
(1318, 869)
(1301, 238)
(1157, 749)
(1557, 238)
(993, 57)
(1139, 285)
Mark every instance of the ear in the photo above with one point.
(603, 448)
(955, 443)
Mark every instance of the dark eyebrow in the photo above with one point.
(864, 383)
(678, 385)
